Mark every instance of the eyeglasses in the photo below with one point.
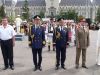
(83, 21)
(37, 19)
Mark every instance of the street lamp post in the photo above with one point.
(3, 3)
(87, 7)
(91, 10)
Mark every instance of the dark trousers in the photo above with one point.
(37, 54)
(7, 52)
(60, 56)
(78, 53)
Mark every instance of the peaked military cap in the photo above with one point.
(37, 17)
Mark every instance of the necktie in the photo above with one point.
(84, 28)
(61, 28)
(50, 27)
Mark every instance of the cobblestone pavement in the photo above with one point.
(24, 64)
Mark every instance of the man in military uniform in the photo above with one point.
(82, 42)
(60, 38)
(51, 27)
(38, 41)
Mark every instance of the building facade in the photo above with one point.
(85, 8)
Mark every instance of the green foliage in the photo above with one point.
(98, 15)
(2, 12)
(42, 14)
(70, 14)
(11, 19)
(25, 12)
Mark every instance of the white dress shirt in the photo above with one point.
(61, 28)
(98, 49)
(7, 32)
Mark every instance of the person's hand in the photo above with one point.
(78, 46)
(44, 43)
(13, 44)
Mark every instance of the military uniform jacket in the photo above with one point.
(38, 36)
(60, 37)
(82, 37)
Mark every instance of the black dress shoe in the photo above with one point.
(56, 68)
(85, 67)
(63, 67)
(35, 69)
(40, 68)
(53, 49)
(12, 68)
(5, 68)
(76, 66)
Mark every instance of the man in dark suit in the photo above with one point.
(38, 41)
(60, 38)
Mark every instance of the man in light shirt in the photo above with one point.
(7, 36)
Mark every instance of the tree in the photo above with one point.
(70, 14)
(62, 14)
(25, 12)
(2, 12)
(98, 15)
(42, 14)
(11, 19)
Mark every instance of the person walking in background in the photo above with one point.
(73, 34)
(98, 49)
(51, 26)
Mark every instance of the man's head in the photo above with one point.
(5, 20)
(37, 20)
(51, 20)
(61, 21)
(83, 21)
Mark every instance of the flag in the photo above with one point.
(14, 2)
(91, 1)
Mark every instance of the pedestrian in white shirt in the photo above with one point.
(73, 33)
(98, 49)
(7, 36)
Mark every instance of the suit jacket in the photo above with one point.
(60, 37)
(82, 37)
(38, 37)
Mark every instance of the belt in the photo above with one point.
(6, 40)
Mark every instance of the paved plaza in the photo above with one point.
(24, 64)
